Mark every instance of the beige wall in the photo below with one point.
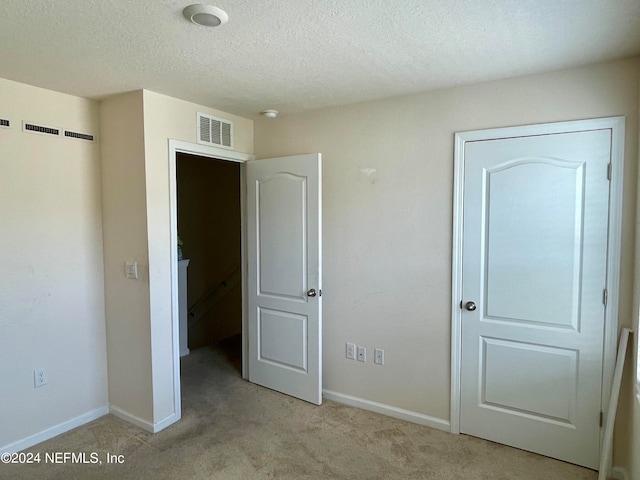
(137, 128)
(51, 272)
(66, 304)
(125, 238)
(168, 118)
(387, 237)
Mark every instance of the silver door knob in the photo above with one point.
(470, 306)
(312, 293)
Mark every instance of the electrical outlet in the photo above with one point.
(378, 356)
(351, 351)
(362, 354)
(39, 377)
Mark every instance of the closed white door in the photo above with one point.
(285, 275)
(534, 273)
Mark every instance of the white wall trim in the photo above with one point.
(456, 282)
(207, 151)
(387, 410)
(128, 417)
(54, 431)
(167, 421)
(175, 147)
(619, 473)
(617, 127)
(245, 273)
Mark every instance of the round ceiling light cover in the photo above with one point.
(205, 15)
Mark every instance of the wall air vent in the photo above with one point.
(214, 131)
(80, 136)
(41, 129)
(4, 123)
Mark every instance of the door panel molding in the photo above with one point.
(616, 126)
(284, 255)
(562, 363)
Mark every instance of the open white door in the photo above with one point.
(285, 275)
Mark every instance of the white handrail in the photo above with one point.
(605, 456)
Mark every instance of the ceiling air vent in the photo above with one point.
(4, 123)
(33, 128)
(214, 131)
(80, 136)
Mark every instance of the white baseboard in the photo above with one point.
(388, 410)
(54, 431)
(128, 417)
(619, 473)
(165, 422)
(143, 424)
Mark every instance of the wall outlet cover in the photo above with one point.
(39, 377)
(351, 351)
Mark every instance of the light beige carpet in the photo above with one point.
(232, 429)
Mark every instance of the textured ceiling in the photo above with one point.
(295, 55)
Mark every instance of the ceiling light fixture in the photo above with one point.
(205, 15)
(270, 113)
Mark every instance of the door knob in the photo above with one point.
(312, 293)
(470, 306)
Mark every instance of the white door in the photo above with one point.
(285, 276)
(534, 256)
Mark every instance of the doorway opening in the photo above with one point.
(281, 253)
(207, 154)
(209, 223)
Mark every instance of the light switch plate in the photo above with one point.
(131, 269)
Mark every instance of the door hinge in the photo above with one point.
(320, 292)
(605, 297)
(601, 418)
(609, 168)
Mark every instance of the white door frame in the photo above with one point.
(614, 236)
(175, 147)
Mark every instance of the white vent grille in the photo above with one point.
(215, 131)
(77, 135)
(4, 123)
(41, 129)
(226, 133)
